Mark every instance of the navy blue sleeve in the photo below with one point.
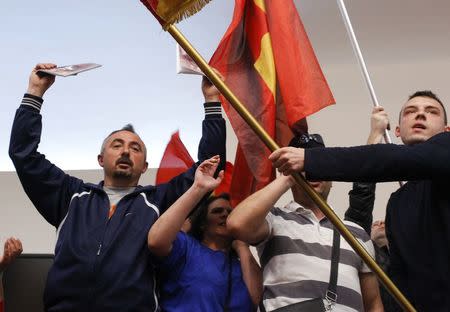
(213, 142)
(397, 267)
(381, 162)
(47, 186)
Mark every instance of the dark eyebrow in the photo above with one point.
(117, 140)
(136, 143)
(409, 106)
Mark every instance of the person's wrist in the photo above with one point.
(36, 91)
(288, 181)
(200, 188)
(213, 98)
(375, 138)
(241, 250)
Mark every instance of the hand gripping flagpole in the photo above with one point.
(362, 63)
(272, 145)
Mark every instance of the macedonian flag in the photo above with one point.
(172, 11)
(268, 62)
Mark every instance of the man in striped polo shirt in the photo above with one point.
(294, 245)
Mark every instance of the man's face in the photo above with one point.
(123, 157)
(378, 233)
(321, 187)
(420, 119)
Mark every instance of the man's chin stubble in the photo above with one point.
(122, 174)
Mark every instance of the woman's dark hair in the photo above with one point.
(198, 218)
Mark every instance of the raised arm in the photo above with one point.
(163, 233)
(48, 187)
(213, 142)
(362, 195)
(247, 221)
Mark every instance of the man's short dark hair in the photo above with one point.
(428, 94)
(128, 127)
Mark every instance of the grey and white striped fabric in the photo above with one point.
(296, 260)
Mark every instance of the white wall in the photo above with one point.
(406, 45)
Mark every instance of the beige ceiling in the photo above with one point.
(387, 30)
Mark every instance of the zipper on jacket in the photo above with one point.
(99, 249)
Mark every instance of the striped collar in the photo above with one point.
(293, 206)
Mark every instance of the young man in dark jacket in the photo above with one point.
(418, 214)
(102, 262)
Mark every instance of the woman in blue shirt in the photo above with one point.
(207, 271)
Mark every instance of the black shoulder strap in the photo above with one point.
(331, 294)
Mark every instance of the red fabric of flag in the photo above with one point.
(176, 160)
(151, 5)
(225, 185)
(267, 60)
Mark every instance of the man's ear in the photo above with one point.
(397, 131)
(145, 167)
(100, 160)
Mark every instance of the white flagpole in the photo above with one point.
(362, 64)
(360, 58)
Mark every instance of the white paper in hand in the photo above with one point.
(185, 64)
(70, 70)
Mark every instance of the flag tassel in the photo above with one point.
(187, 9)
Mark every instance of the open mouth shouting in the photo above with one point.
(124, 162)
(419, 126)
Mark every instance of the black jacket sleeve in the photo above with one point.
(361, 202)
(47, 186)
(381, 162)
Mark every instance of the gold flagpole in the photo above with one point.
(272, 145)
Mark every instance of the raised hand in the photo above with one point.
(204, 175)
(40, 82)
(12, 248)
(379, 122)
(210, 92)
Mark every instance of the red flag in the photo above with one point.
(267, 60)
(225, 185)
(176, 160)
(171, 11)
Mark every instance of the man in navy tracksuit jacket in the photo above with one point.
(102, 262)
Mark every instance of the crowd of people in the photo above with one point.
(125, 247)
